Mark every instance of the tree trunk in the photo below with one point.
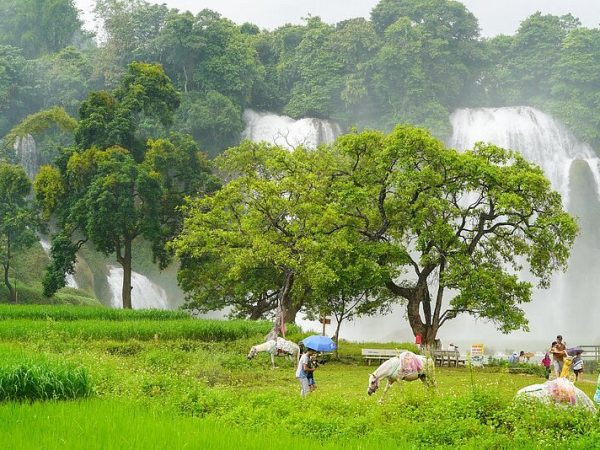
(11, 291)
(285, 308)
(126, 263)
(290, 312)
(336, 336)
(185, 82)
(428, 329)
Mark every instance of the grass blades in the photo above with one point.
(42, 380)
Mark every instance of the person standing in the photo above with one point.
(313, 364)
(559, 351)
(303, 370)
(546, 362)
(577, 364)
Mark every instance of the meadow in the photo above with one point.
(82, 377)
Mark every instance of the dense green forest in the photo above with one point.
(412, 61)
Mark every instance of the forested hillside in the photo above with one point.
(412, 61)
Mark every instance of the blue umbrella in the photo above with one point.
(319, 343)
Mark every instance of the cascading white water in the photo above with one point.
(69, 279)
(536, 135)
(144, 295)
(287, 132)
(27, 155)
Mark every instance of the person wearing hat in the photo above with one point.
(559, 351)
(304, 367)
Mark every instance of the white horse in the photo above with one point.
(276, 347)
(559, 392)
(406, 366)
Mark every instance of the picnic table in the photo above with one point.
(450, 358)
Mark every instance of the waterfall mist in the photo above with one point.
(287, 132)
(27, 155)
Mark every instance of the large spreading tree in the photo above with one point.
(460, 225)
(267, 238)
(113, 185)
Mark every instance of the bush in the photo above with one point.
(503, 365)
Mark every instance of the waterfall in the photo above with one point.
(69, 278)
(568, 306)
(144, 295)
(287, 132)
(536, 135)
(27, 155)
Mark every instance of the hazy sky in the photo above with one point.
(495, 16)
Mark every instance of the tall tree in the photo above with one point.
(112, 187)
(430, 55)
(17, 218)
(260, 233)
(38, 26)
(456, 222)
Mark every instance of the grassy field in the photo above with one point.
(170, 382)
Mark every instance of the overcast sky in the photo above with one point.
(495, 16)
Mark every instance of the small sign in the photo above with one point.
(325, 320)
(476, 350)
(477, 355)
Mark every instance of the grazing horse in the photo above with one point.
(276, 347)
(559, 392)
(406, 366)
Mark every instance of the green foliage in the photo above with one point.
(40, 380)
(212, 119)
(13, 86)
(144, 330)
(70, 313)
(343, 222)
(504, 365)
(39, 122)
(38, 26)
(462, 218)
(112, 186)
(17, 218)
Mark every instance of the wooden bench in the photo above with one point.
(378, 354)
(448, 358)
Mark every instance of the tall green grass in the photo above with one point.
(67, 313)
(204, 330)
(108, 425)
(43, 380)
(111, 424)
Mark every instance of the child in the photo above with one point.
(577, 365)
(546, 362)
(597, 395)
(312, 363)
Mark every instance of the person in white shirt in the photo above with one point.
(302, 371)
